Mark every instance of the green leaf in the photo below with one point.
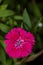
(39, 43)
(2, 43)
(26, 27)
(9, 62)
(6, 13)
(2, 56)
(3, 7)
(22, 25)
(35, 10)
(4, 28)
(17, 17)
(1, 37)
(10, 22)
(26, 18)
(0, 1)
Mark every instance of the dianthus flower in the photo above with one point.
(19, 43)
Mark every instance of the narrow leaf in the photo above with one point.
(17, 17)
(26, 18)
(2, 43)
(2, 56)
(5, 13)
(4, 28)
(35, 10)
(3, 7)
(9, 62)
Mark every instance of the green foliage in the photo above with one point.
(4, 28)
(6, 13)
(17, 17)
(3, 7)
(9, 62)
(26, 18)
(26, 14)
(2, 56)
(35, 10)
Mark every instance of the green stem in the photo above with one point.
(15, 61)
(35, 28)
(23, 60)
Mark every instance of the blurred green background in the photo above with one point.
(27, 14)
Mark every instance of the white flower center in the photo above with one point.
(19, 43)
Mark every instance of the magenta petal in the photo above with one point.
(19, 43)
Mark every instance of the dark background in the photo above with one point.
(37, 61)
(13, 5)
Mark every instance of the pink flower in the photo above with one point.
(19, 43)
